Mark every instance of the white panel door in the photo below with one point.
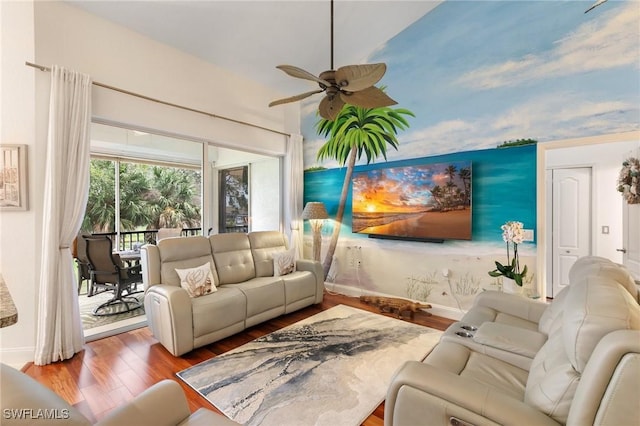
(631, 238)
(571, 222)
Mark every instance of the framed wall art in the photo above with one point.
(13, 177)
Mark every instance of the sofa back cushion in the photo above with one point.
(550, 319)
(233, 258)
(183, 253)
(595, 266)
(592, 309)
(263, 245)
(583, 268)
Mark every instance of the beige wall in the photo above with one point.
(19, 257)
(54, 33)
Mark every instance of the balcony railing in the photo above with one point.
(129, 238)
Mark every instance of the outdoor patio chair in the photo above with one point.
(108, 273)
(84, 274)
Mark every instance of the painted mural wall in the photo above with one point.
(476, 74)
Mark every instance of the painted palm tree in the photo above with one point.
(354, 132)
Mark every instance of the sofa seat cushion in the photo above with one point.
(481, 314)
(511, 339)
(262, 294)
(465, 362)
(299, 285)
(218, 310)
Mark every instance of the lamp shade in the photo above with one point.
(314, 210)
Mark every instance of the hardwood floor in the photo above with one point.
(113, 370)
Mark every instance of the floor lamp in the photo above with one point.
(315, 213)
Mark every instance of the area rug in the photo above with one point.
(333, 368)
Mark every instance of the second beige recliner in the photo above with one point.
(585, 372)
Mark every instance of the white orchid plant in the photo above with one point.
(512, 234)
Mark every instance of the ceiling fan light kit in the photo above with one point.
(351, 84)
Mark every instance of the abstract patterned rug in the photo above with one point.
(333, 368)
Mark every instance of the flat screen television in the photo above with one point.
(427, 202)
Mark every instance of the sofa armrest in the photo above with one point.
(607, 392)
(150, 262)
(170, 317)
(162, 404)
(315, 268)
(22, 397)
(512, 304)
(423, 394)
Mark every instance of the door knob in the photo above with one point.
(622, 250)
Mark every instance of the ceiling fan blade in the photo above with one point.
(354, 78)
(294, 98)
(300, 73)
(330, 107)
(371, 97)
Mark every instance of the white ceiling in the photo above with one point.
(251, 37)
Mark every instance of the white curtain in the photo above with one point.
(294, 171)
(59, 328)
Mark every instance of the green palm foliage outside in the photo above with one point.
(171, 199)
(151, 197)
(100, 215)
(354, 132)
(134, 210)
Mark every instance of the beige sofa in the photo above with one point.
(247, 293)
(26, 402)
(511, 360)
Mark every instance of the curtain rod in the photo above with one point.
(159, 101)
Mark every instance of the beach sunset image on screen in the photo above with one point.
(428, 201)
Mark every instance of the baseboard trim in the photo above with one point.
(438, 310)
(18, 358)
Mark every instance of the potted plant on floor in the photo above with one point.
(512, 276)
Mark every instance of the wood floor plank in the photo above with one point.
(110, 371)
(134, 381)
(98, 399)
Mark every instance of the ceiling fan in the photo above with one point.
(351, 84)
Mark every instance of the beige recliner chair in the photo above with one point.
(514, 328)
(585, 373)
(27, 402)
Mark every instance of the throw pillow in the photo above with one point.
(284, 262)
(197, 281)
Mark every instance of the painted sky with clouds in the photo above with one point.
(477, 73)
